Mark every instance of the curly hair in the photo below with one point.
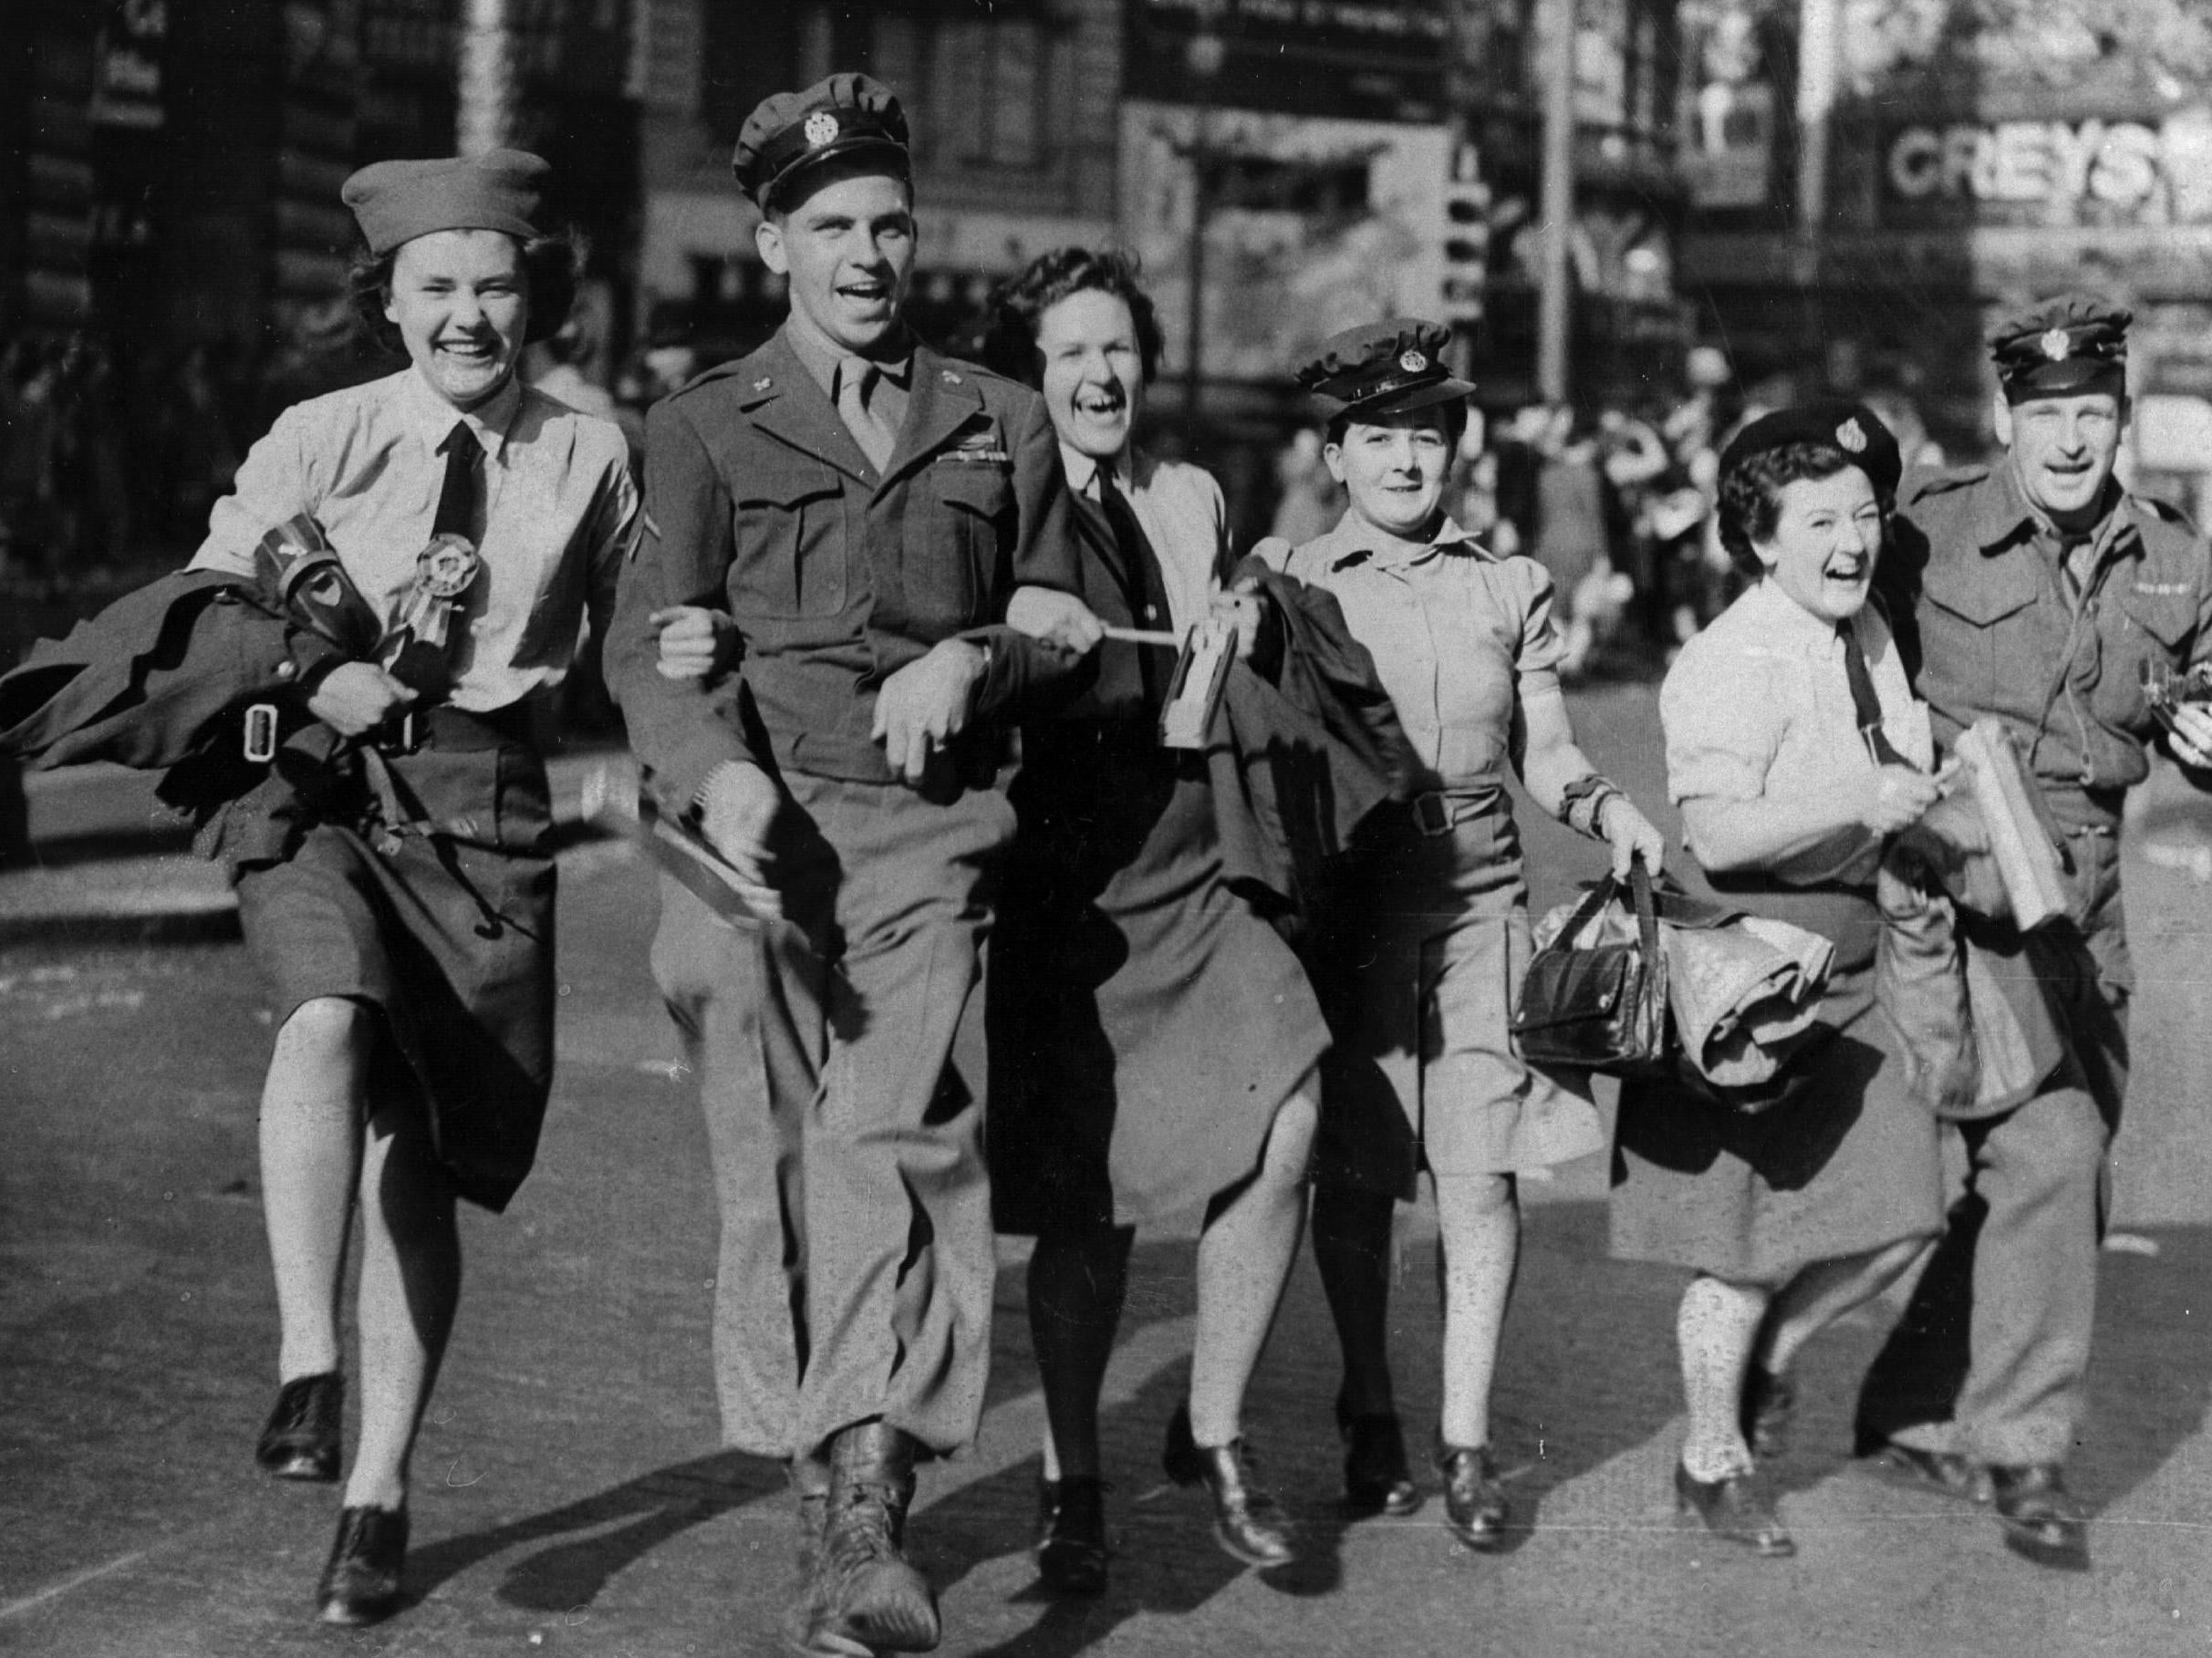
(1750, 494)
(551, 267)
(1021, 301)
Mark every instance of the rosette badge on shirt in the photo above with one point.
(418, 649)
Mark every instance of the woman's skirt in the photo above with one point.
(1423, 956)
(1143, 1024)
(447, 935)
(1849, 1165)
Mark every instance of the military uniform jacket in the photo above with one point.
(759, 502)
(1987, 623)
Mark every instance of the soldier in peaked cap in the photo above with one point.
(2039, 591)
(1425, 1073)
(480, 521)
(864, 510)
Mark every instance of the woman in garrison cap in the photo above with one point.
(392, 872)
(1794, 748)
(1433, 923)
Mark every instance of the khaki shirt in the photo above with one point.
(1460, 636)
(560, 516)
(1758, 706)
(1990, 624)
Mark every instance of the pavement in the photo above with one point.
(571, 1494)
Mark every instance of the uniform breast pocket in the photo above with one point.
(2143, 631)
(791, 542)
(1968, 626)
(954, 581)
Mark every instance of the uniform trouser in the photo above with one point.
(1992, 1353)
(856, 1266)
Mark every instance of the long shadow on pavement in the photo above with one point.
(571, 1574)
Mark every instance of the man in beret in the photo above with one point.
(863, 509)
(2039, 591)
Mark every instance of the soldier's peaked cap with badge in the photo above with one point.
(1852, 428)
(394, 202)
(1384, 367)
(791, 133)
(2076, 344)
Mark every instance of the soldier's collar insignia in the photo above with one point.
(951, 378)
(763, 383)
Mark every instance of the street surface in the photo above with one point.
(571, 1496)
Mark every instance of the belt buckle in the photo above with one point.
(1432, 814)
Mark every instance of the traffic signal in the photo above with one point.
(1467, 240)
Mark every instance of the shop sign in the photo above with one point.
(2095, 171)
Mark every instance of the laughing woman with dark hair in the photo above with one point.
(1152, 1040)
(1794, 748)
(401, 903)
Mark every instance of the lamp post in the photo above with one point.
(1203, 57)
(1558, 199)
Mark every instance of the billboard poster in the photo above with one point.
(1312, 225)
(1363, 59)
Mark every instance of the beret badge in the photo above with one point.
(821, 128)
(2055, 343)
(1852, 436)
(1414, 362)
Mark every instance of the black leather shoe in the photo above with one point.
(2041, 1520)
(1474, 1504)
(1248, 1522)
(866, 1591)
(301, 1438)
(1944, 1471)
(1072, 1552)
(1377, 1479)
(1738, 1507)
(360, 1583)
(1769, 1401)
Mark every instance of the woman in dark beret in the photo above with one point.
(393, 875)
(1794, 748)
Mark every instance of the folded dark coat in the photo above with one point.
(1299, 759)
(146, 681)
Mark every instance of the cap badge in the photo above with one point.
(821, 128)
(1414, 362)
(2055, 343)
(1852, 436)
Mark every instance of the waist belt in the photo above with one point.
(1437, 811)
(463, 729)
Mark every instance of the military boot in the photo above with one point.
(865, 1591)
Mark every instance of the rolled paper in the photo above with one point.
(1202, 675)
(2027, 861)
(1143, 635)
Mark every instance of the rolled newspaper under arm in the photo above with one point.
(2027, 860)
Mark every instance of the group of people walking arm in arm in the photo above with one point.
(855, 566)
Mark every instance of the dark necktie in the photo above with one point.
(459, 502)
(1865, 707)
(1143, 584)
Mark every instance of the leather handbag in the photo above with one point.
(1594, 997)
